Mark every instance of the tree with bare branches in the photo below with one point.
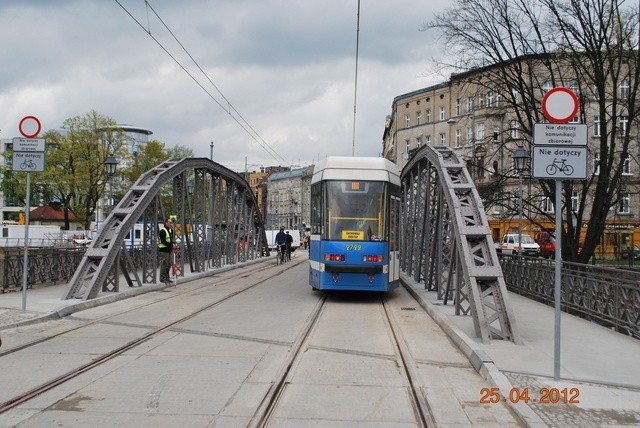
(521, 48)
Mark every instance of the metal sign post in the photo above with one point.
(25, 260)
(559, 153)
(28, 156)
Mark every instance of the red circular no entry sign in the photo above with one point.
(29, 126)
(560, 105)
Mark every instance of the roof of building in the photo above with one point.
(50, 213)
(286, 174)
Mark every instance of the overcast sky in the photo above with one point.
(287, 67)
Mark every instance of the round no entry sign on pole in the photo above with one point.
(560, 105)
(30, 126)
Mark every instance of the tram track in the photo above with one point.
(420, 404)
(422, 412)
(105, 357)
(106, 318)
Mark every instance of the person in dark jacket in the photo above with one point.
(289, 240)
(281, 242)
(166, 245)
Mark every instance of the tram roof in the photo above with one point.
(356, 168)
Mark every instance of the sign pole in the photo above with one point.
(25, 262)
(561, 153)
(558, 282)
(28, 156)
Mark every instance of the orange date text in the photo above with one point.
(526, 395)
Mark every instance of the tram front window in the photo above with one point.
(355, 210)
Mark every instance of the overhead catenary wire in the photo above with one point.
(229, 108)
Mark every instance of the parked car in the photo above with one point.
(547, 244)
(635, 251)
(510, 245)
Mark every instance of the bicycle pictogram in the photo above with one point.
(28, 164)
(559, 165)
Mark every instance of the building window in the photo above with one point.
(515, 129)
(547, 87)
(469, 105)
(547, 205)
(576, 119)
(596, 164)
(418, 117)
(407, 146)
(428, 115)
(458, 106)
(428, 140)
(442, 113)
(407, 121)
(623, 121)
(469, 136)
(490, 99)
(573, 85)
(515, 95)
(624, 89)
(458, 138)
(481, 100)
(418, 142)
(479, 132)
(626, 166)
(623, 204)
(443, 139)
(596, 125)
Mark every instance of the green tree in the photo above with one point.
(75, 173)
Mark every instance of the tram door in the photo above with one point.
(394, 239)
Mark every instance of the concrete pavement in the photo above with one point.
(600, 369)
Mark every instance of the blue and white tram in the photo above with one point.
(355, 221)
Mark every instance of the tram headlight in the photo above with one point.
(373, 259)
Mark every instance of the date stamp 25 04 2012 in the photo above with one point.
(526, 395)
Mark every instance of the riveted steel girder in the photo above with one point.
(446, 242)
(216, 212)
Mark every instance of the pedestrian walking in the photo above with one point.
(166, 245)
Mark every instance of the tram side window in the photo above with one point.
(316, 209)
(355, 211)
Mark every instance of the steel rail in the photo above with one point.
(420, 404)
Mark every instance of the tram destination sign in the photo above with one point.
(560, 134)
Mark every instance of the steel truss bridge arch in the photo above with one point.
(218, 223)
(445, 242)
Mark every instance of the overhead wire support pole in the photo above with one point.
(355, 91)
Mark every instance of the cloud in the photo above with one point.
(287, 67)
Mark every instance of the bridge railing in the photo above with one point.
(46, 266)
(607, 296)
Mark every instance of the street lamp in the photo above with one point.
(111, 163)
(520, 159)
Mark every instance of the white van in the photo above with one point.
(510, 245)
(271, 238)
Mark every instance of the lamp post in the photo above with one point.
(211, 145)
(520, 159)
(111, 163)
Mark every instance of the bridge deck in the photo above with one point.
(601, 365)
